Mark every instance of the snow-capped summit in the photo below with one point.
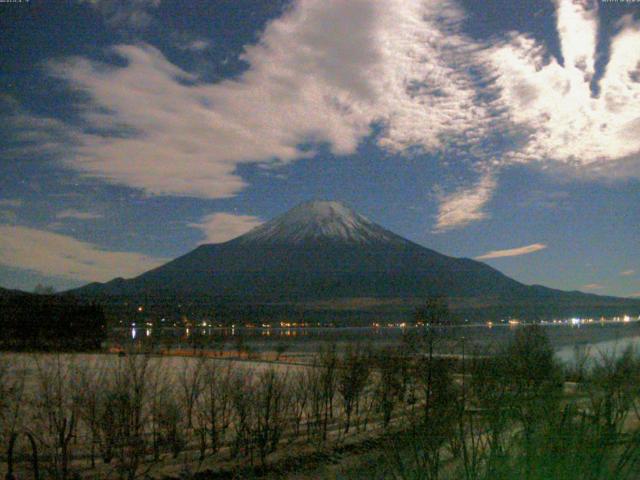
(320, 221)
(324, 251)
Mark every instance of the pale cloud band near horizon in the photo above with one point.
(55, 255)
(513, 252)
(78, 215)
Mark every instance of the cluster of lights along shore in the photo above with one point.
(207, 324)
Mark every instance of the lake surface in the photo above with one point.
(565, 338)
(594, 352)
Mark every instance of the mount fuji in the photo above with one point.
(324, 255)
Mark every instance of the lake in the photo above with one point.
(601, 336)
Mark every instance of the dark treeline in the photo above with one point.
(50, 323)
(229, 310)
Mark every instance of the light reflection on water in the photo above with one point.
(563, 337)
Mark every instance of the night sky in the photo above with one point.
(509, 131)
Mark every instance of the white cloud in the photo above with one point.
(10, 202)
(326, 71)
(593, 286)
(220, 227)
(544, 199)
(465, 205)
(554, 105)
(628, 273)
(513, 252)
(322, 73)
(78, 215)
(56, 255)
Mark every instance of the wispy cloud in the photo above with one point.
(186, 41)
(130, 14)
(401, 65)
(465, 205)
(220, 227)
(78, 215)
(513, 252)
(627, 273)
(56, 255)
(593, 286)
(198, 45)
(544, 199)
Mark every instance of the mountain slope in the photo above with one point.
(320, 251)
(6, 293)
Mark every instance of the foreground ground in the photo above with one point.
(361, 411)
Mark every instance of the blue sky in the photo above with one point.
(133, 131)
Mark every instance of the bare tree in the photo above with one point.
(271, 401)
(314, 412)
(172, 430)
(12, 382)
(389, 388)
(429, 424)
(55, 412)
(327, 368)
(88, 390)
(242, 394)
(353, 375)
(123, 414)
(300, 391)
(190, 383)
(214, 407)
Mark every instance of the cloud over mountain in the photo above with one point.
(513, 252)
(327, 72)
(222, 226)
